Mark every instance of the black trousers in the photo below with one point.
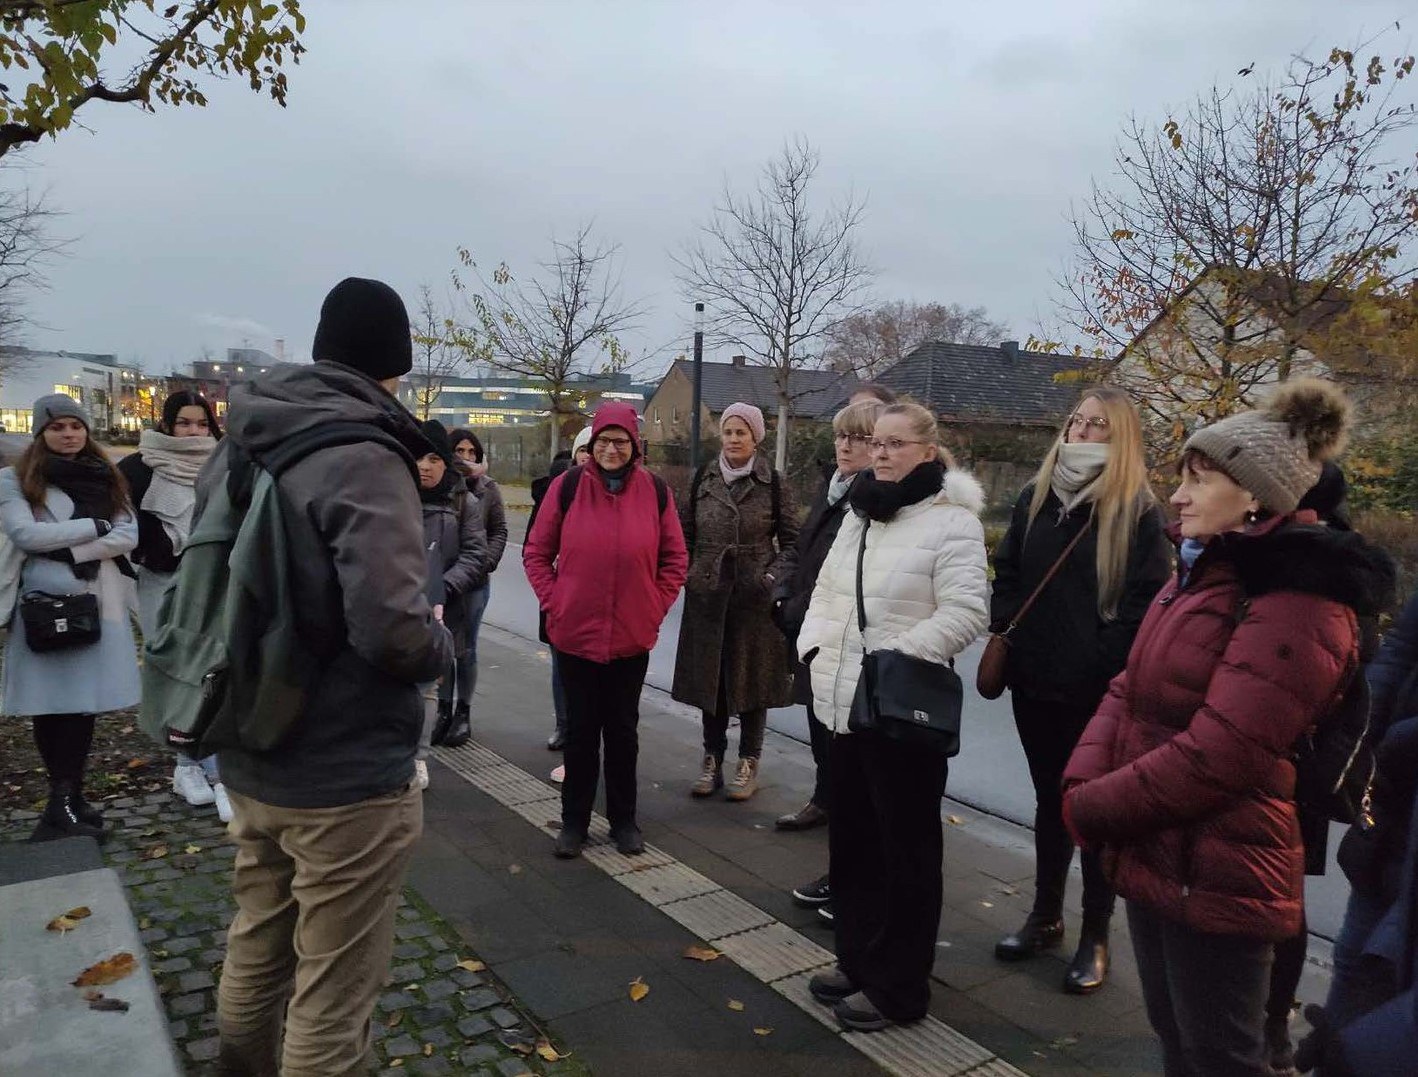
(885, 843)
(63, 741)
(1285, 974)
(1205, 996)
(1049, 732)
(821, 739)
(602, 703)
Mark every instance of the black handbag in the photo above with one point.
(901, 697)
(59, 622)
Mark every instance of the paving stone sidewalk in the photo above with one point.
(434, 1017)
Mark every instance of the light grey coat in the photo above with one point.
(85, 680)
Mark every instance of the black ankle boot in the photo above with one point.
(61, 819)
(1040, 932)
(442, 724)
(1089, 967)
(86, 812)
(461, 731)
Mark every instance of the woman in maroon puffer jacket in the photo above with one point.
(1185, 777)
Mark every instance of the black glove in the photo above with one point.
(104, 527)
(1320, 1050)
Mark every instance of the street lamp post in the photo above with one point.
(696, 396)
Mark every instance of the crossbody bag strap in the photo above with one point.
(1048, 576)
(861, 602)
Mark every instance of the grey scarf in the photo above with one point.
(1077, 470)
(838, 486)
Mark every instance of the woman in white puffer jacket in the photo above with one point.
(925, 593)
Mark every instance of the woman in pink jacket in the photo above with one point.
(606, 571)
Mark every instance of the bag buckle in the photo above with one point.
(61, 625)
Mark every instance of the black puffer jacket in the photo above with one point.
(1063, 649)
(798, 571)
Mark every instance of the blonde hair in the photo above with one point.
(859, 418)
(1123, 492)
(923, 425)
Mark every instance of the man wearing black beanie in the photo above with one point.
(333, 806)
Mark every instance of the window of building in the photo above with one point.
(656, 415)
(73, 391)
(674, 415)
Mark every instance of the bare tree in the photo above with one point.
(436, 358)
(26, 247)
(555, 325)
(869, 342)
(1217, 258)
(776, 277)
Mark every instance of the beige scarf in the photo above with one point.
(171, 496)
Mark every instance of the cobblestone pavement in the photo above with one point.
(434, 1017)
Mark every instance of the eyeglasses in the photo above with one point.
(1097, 422)
(851, 439)
(891, 445)
(618, 444)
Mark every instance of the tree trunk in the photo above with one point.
(780, 458)
(555, 434)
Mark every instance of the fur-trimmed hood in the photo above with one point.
(963, 489)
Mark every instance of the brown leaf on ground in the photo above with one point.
(516, 1040)
(134, 764)
(735, 1005)
(549, 1053)
(91, 995)
(156, 852)
(702, 953)
(108, 1005)
(468, 964)
(69, 920)
(955, 820)
(638, 989)
(192, 849)
(392, 1021)
(110, 970)
(514, 869)
(763, 1032)
(427, 1049)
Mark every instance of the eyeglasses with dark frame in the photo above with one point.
(619, 444)
(851, 439)
(892, 445)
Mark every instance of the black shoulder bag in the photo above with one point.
(902, 697)
(59, 622)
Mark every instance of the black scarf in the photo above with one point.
(615, 480)
(880, 500)
(87, 482)
(442, 493)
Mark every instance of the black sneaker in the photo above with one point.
(825, 911)
(830, 987)
(818, 892)
(628, 841)
(568, 844)
(856, 1014)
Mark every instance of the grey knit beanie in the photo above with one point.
(58, 406)
(1277, 452)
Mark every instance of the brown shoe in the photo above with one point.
(711, 778)
(805, 818)
(745, 782)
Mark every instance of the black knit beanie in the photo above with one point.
(363, 324)
(438, 437)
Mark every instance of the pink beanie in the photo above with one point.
(749, 414)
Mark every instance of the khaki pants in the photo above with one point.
(316, 890)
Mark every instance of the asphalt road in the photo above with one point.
(990, 773)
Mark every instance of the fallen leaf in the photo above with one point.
(638, 989)
(514, 869)
(427, 1049)
(108, 1005)
(396, 1063)
(955, 820)
(735, 1005)
(127, 729)
(702, 953)
(763, 1032)
(134, 764)
(157, 852)
(69, 920)
(144, 924)
(516, 1040)
(988, 904)
(394, 1018)
(92, 996)
(548, 1052)
(192, 849)
(411, 987)
(469, 965)
(110, 970)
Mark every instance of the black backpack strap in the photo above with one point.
(662, 492)
(570, 480)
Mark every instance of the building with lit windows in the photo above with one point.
(118, 396)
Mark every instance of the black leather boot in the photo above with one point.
(461, 731)
(61, 819)
(1089, 967)
(442, 724)
(1040, 932)
(86, 812)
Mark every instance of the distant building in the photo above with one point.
(815, 395)
(214, 378)
(116, 395)
(518, 402)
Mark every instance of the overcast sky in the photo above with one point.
(415, 127)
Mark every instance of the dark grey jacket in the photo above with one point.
(360, 576)
(494, 514)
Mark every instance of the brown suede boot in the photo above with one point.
(745, 782)
(711, 778)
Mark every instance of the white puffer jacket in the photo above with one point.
(924, 585)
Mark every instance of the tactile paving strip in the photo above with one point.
(771, 951)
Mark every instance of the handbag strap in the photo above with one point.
(1048, 576)
(861, 602)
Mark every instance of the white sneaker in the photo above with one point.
(420, 774)
(558, 774)
(190, 783)
(223, 802)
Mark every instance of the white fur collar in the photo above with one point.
(963, 489)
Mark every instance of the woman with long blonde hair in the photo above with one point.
(1092, 487)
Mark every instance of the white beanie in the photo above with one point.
(581, 441)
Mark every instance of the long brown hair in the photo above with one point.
(33, 484)
(1123, 492)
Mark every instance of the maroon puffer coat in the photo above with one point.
(1184, 775)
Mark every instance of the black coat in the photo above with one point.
(1063, 649)
(798, 576)
(154, 549)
